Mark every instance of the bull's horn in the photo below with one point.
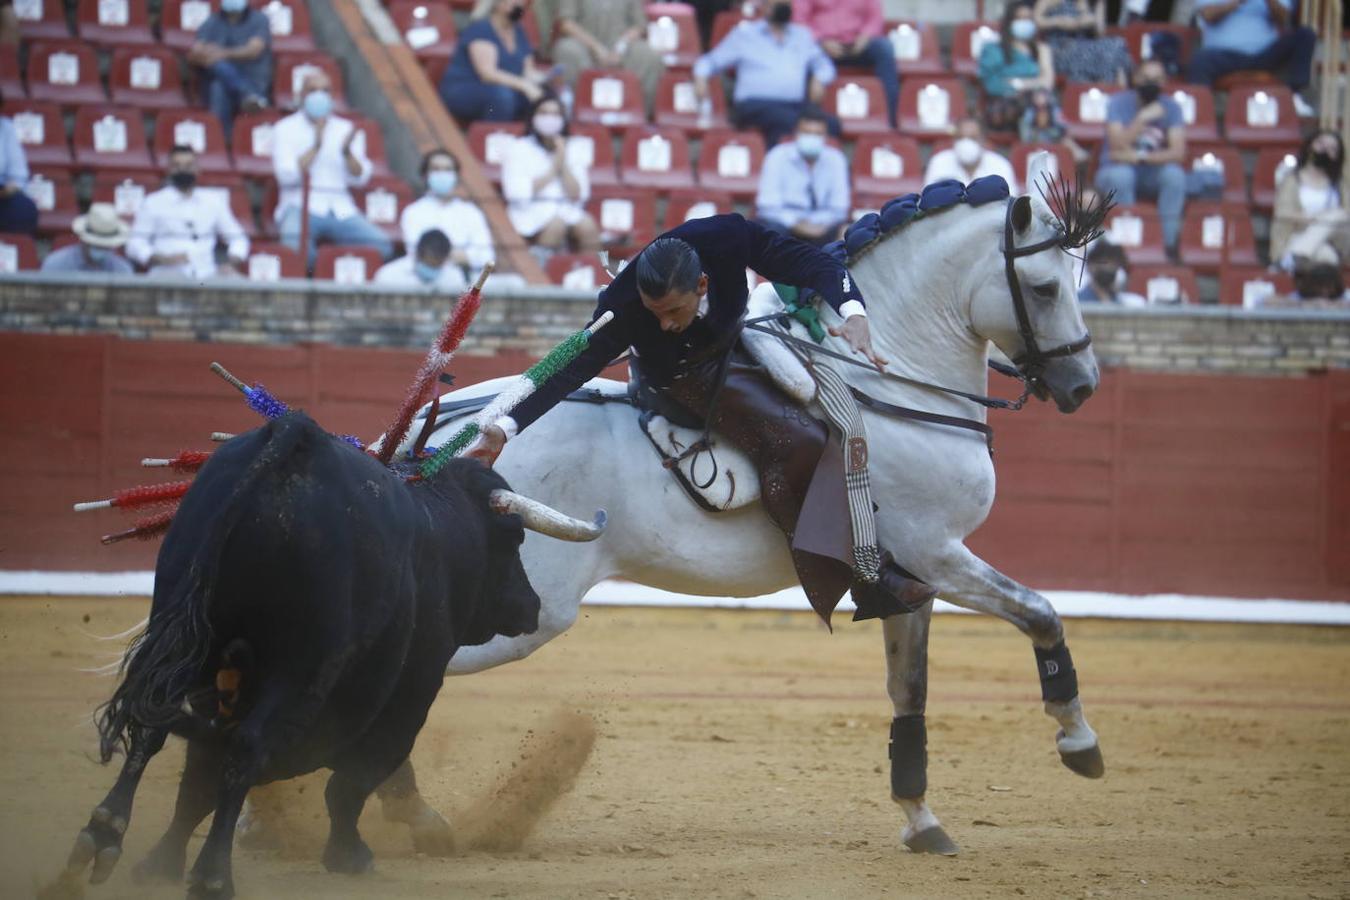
(545, 519)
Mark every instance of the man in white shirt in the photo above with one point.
(969, 158)
(441, 209)
(803, 187)
(176, 229)
(428, 267)
(331, 150)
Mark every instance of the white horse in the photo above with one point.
(937, 296)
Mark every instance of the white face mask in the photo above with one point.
(1023, 29)
(968, 151)
(548, 124)
(810, 145)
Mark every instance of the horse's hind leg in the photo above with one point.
(907, 683)
(402, 802)
(101, 840)
(967, 580)
(196, 799)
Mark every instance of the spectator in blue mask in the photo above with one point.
(444, 208)
(803, 187)
(233, 53)
(427, 268)
(101, 235)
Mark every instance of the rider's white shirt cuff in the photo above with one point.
(852, 308)
(508, 426)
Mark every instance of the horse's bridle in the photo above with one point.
(1031, 361)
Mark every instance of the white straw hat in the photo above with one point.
(102, 227)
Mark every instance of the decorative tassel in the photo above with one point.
(185, 461)
(143, 495)
(145, 529)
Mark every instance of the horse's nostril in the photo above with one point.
(1082, 393)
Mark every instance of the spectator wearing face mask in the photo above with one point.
(545, 190)
(492, 75)
(1253, 34)
(176, 228)
(803, 186)
(331, 152)
(427, 267)
(1108, 271)
(969, 158)
(1012, 66)
(1042, 123)
(102, 233)
(852, 33)
(233, 54)
(443, 209)
(1311, 229)
(1144, 149)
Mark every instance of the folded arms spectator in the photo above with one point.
(18, 212)
(441, 208)
(101, 233)
(233, 52)
(176, 228)
(607, 33)
(851, 32)
(969, 158)
(1311, 228)
(427, 266)
(1253, 34)
(803, 187)
(1013, 65)
(545, 189)
(492, 74)
(1074, 30)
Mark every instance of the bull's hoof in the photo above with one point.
(100, 842)
(932, 840)
(163, 864)
(1087, 762)
(210, 887)
(348, 858)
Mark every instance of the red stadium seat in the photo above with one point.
(347, 264)
(231, 186)
(1061, 161)
(696, 204)
(1164, 285)
(291, 69)
(18, 253)
(382, 201)
(289, 21)
(916, 48)
(11, 78)
(859, 101)
(195, 128)
(1272, 164)
(1136, 32)
(609, 97)
(1248, 286)
(427, 27)
(931, 106)
(147, 77)
(41, 131)
(113, 23)
(1084, 109)
(627, 217)
(251, 142)
(64, 72)
(673, 34)
(731, 161)
(53, 192)
(725, 21)
(579, 271)
(268, 262)
(180, 19)
(1224, 159)
(375, 151)
(886, 165)
(1217, 234)
(489, 143)
(126, 191)
(40, 20)
(677, 106)
(1197, 106)
(968, 38)
(656, 158)
(593, 145)
(1261, 115)
(111, 137)
(1137, 228)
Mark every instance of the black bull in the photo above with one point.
(307, 600)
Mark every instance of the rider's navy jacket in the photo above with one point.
(726, 245)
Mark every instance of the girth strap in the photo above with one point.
(918, 415)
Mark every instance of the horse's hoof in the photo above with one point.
(1088, 762)
(932, 840)
(433, 836)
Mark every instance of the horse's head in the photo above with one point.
(1032, 312)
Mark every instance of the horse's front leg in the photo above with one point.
(966, 580)
(907, 683)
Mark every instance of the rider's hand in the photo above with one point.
(488, 446)
(859, 337)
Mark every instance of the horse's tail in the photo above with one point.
(170, 656)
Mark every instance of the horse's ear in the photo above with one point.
(1021, 213)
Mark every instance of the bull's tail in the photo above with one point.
(166, 660)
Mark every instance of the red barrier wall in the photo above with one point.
(1223, 485)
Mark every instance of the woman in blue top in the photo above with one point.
(1015, 65)
(492, 74)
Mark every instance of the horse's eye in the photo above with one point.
(1047, 291)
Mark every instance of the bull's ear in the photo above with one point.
(1021, 214)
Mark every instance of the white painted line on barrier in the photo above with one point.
(1070, 604)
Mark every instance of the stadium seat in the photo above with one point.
(267, 209)
(931, 106)
(1164, 285)
(345, 264)
(1217, 234)
(579, 271)
(1135, 39)
(435, 67)
(147, 77)
(231, 187)
(53, 191)
(64, 72)
(677, 106)
(197, 129)
(725, 21)
(1136, 228)
(673, 34)
(489, 142)
(627, 217)
(179, 21)
(18, 253)
(696, 204)
(592, 146)
(11, 78)
(968, 38)
(1084, 109)
(289, 20)
(1197, 105)
(268, 262)
(859, 101)
(40, 20)
(1247, 286)
(1224, 159)
(427, 27)
(251, 142)
(886, 165)
(655, 158)
(111, 137)
(609, 97)
(731, 161)
(916, 48)
(375, 152)
(114, 23)
(1259, 116)
(382, 201)
(291, 69)
(41, 130)
(1061, 161)
(125, 190)
(1272, 164)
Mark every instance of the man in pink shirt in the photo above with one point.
(852, 33)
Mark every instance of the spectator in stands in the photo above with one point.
(492, 75)
(803, 187)
(779, 69)
(969, 158)
(427, 267)
(1108, 270)
(176, 228)
(607, 33)
(1042, 124)
(705, 11)
(101, 233)
(1311, 229)
(18, 212)
(234, 54)
(9, 24)
(1144, 149)
(1074, 31)
(852, 33)
(442, 208)
(332, 151)
(545, 191)
(1012, 66)
(1253, 34)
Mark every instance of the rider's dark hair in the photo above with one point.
(667, 265)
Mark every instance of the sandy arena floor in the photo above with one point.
(743, 755)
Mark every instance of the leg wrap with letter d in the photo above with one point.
(909, 757)
(1059, 682)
